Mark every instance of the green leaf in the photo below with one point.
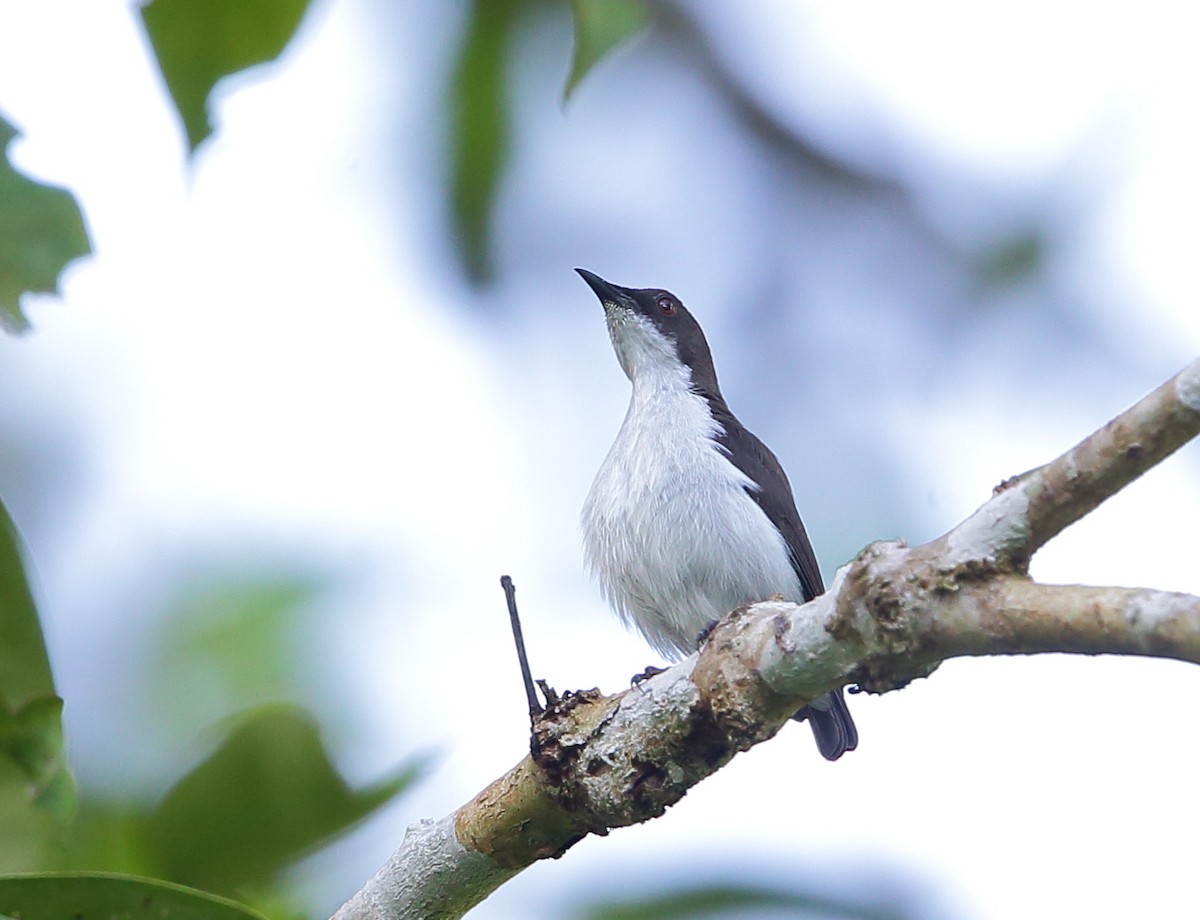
(77, 896)
(24, 664)
(600, 25)
(31, 741)
(197, 42)
(27, 832)
(41, 231)
(31, 738)
(268, 795)
(107, 835)
(479, 130)
(736, 900)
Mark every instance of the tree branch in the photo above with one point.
(1028, 510)
(892, 614)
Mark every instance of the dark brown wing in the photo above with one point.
(754, 458)
(830, 720)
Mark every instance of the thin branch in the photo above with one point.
(892, 614)
(1023, 617)
(1100, 466)
(1030, 509)
(895, 618)
(510, 596)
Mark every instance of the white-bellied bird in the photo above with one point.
(690, 515)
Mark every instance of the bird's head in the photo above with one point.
(652, 332)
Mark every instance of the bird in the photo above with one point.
(690, 515)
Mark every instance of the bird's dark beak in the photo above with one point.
(608, 293)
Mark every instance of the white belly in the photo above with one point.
(669, 530)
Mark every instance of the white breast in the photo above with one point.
(669, 530)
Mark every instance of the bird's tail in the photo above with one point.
(831, 724)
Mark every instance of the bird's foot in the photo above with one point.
(706, 632)
(552, 697)
(651, 671)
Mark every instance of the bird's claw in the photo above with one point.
(706, 632)
(651, 671)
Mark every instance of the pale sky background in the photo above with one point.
(269, 362)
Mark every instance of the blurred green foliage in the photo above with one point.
(600, 25)
(24, 664)
(37, 795)
(744, 901)
(41, 231)
(1016, 259)
(479, 115)
(479, 128)
(267, 796)
(197, 42)
(228, 641)
(31, 737)
(27, 832)
(90, 897)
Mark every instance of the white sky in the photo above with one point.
(249, 361)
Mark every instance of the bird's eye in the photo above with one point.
(666, 305)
